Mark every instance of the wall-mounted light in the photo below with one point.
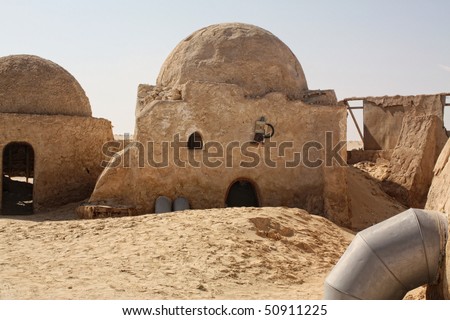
(261, 127)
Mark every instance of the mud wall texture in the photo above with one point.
(33, 85)
(411, 167)
(439, 194)
(409, 132)
(439, 200)
(67, 153)
(225, 117)
(383, 117)
(235, 53)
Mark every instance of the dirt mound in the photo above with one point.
(235, 253)
(267, 228)
(368, 203)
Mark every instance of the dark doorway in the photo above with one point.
(242, 194)
(18, 179)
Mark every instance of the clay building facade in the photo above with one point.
(408, 133)
(50, 145)
(230, 87)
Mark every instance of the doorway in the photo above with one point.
(242, 193)
(18, 179)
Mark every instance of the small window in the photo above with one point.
(195, 141)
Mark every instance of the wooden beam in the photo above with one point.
(9, 161)
(27, 156)
(355, 122)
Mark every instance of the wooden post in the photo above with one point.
(27, 157)
(10, 161)
(349, 109)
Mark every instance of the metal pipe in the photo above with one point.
(163, 204)
(390, 258)
(181, 204)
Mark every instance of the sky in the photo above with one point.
(357, 48)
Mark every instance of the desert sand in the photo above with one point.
(368, 203)
(233, 253)
(236, 253)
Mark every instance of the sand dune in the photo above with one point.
(236, 253)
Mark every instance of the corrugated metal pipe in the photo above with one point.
(390, 258)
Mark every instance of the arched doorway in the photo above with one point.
(242, 193)
(18, 178)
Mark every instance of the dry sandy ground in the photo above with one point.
(369, 204)
(236, 253)
(354, 145)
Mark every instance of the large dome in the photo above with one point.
(30, 84)
(235, 53)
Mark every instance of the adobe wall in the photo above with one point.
(439, 194)
(409, 132)
(439, 200)
(411, 166)
(383, 117)
(221, 113)
(67, 153)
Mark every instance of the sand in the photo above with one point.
(355, 145)
(368, 203)
(236, 253)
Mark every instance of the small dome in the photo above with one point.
(32, 85)
(235, 53)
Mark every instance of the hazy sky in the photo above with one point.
(357, 48)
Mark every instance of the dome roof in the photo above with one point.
(235, 53)
(30, 84)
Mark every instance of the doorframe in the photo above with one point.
(252, 183)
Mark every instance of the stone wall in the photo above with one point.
(222, 115)
(68, 153)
